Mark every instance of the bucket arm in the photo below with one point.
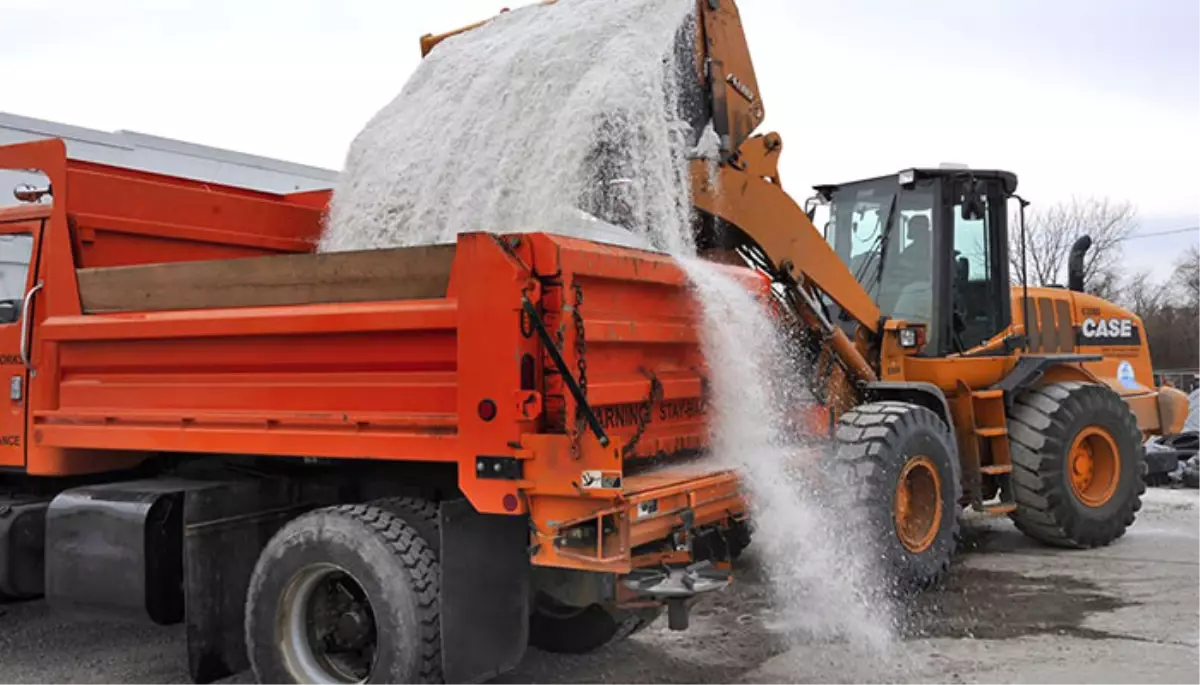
(745, 191)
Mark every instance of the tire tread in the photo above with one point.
(868, 436)
(1038, 422)
(417, 560)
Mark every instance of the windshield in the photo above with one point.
(883, 233)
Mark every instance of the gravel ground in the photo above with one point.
(1012, 611)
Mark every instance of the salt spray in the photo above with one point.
(498, 130)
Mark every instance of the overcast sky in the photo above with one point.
(1079, 97)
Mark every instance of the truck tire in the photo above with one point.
(345, 594)
(422, 514)
(569, 630)
(901, 466)
(1078, 464)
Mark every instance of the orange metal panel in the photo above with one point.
(356, 317)
(640, 343)
(494, 275)
(266, 439)
(24, 213)
(118, 241)
(139, 218)
(317, 199)
(712, 497)
(369, 380)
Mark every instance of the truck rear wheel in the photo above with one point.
(345, 594)
(421, 514)
(561, 629)
(901, 464)
(1078, 464)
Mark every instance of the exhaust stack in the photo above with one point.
(1075, 263)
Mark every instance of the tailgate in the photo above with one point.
(654, 518)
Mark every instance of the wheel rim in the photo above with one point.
(327, 627)
(918, 505)
(1094, 466)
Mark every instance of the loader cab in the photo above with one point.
(929, 245)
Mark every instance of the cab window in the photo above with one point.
(16, 250)
(976, 316)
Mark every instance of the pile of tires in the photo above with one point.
(1171, 460)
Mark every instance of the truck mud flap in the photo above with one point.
(171, 550)
(485, 596)
(22, 547)
(225, 529)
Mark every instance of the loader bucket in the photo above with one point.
(716, 76)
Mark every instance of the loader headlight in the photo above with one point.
(909, 337)
(907, 177)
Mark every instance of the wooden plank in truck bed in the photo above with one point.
(407, 273)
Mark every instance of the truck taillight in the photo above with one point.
(487, 410)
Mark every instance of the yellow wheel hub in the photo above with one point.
(918, 504)
(1093, 466)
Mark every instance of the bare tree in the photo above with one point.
(1144, 296)
(1050, 233)
(1170, 312)
(1186, 277)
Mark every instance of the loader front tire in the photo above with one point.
(1078, 464)
(899, 464)
(345, 594)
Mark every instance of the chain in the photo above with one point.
(656, 392)
(580, 356)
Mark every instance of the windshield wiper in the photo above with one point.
(884, 235)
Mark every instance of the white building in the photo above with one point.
(160, 155)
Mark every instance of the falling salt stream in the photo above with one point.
(498, 130)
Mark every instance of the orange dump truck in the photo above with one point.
(401, 465)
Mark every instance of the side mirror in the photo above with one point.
(972, 201)
(971, 211)
(810, 207)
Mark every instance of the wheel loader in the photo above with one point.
(942, 385)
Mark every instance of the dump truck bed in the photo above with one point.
(307, 344)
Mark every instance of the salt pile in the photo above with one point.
(813, 548)
(548, 117)
(507, 128)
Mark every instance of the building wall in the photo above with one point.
(159, 155)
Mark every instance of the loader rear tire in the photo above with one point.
(1078, 464)
(565, 630)
(345, 594)
(900, 465)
